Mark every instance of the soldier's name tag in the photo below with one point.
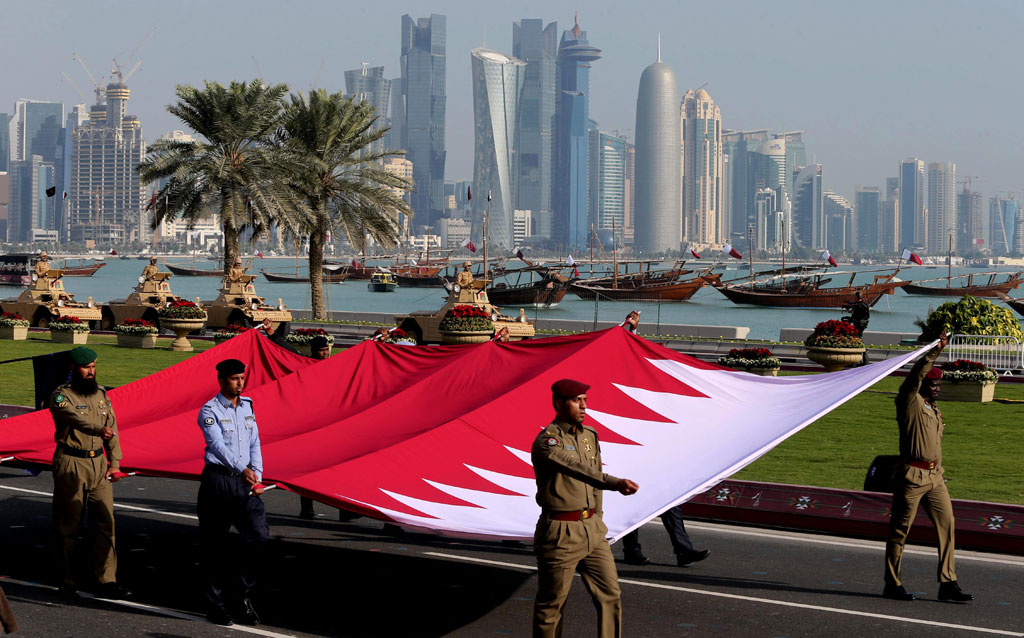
(250, 418)
(81, 407)
(226, 421)
(571, 447)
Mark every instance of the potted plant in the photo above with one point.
(970, 316)
(136, 333)
(13, 326)
(466, 324)
(69, 329)
(756, 360)
(301, 337)
(400, 336)
(835, 345)
(964, 380)
(182, 317)
(227, 332)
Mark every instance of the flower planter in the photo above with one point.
(181, 328)
(69, 336)
(967, 391)
(764, 372)
(15, 333)
(835, 359)
(136, 341)
(466, 336)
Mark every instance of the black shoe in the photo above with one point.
(112, 591)
(896, 592)
(637, 559)
(689, 558)
(246, 614)
(951, 592)
(307, 515)
(68, 592)
(219, 617)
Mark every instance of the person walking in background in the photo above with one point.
(921, 479)
(229, 494)
(85, 463)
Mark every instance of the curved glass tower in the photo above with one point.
(658, 208)
(497, 92)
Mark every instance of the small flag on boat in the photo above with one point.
(909, 256)
(694, 253)
(488, 195)
(569, 261)
(259, 254)
(519, 254)
(51, 191)
(732, 252)
(827, 256)
(355, 264)
(65, 195)
(469, 244)
(469, 193)
(113, 252)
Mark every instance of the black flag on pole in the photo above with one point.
(51, 191)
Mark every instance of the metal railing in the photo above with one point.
(998, 352)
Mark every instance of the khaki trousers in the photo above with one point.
(561, 547)
(928, 488)
(79, 484)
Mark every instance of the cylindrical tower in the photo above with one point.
(658, 208)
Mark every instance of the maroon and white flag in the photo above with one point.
(694, 253)
(732, 252)
(827, 256)
(469, 244)
(909, 256)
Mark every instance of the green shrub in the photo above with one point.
(969, 316)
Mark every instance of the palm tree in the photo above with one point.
(233, 168)
(331, 138)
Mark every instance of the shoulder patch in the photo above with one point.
(208, 420)
(551, 441)
(60, 398)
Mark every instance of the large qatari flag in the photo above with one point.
(438, 438)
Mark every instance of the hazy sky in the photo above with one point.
(871, 82)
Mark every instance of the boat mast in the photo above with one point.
(591, 251)
(750, 250)
(783, 254)
(615, 257)
(485, 240)
(949, 263)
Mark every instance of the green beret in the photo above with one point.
(83, 356)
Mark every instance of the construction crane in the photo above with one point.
(968, 179)
(97, 87)
(75, 87)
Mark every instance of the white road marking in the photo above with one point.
(134, 508)
(803, 537)
(163, 611)
(767, 601)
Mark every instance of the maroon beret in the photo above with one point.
(935, 374)
(568, 388)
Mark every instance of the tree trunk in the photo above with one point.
(316, 263)
(231, 245)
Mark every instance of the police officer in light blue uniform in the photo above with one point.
(229, 490)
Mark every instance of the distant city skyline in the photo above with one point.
(806, 79)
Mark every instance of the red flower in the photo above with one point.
(13, 315)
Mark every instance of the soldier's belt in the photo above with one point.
(79, 452)
(574, 515)
(924, 465)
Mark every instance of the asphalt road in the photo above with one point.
(325, 578)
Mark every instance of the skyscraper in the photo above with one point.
(34, 129)
(941, 206)
(837, 222)
(32, 213)
(658, 208)
(611, 198)
(739, 148)
(537, 45)
(5, 142)
(911, 172)
(1003, 213)
(367, 84)
(702, 166)
(572, 130)
(889, 226)
(809, 228)
(423, 111)
(867, 209)
(497, 91)
(968, 221)
(106, 195)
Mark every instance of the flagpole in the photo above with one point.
(591, 251)
(486, 210)
(615, 258)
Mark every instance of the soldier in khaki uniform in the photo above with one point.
(43, 265)
(150, 270)
(922, 479)
(236, 271)
(465, 276)
(567, 462)
(85, 462)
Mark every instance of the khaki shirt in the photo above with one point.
(920, 423)
(567, 464)
(80, 420)
(235, 274)
(149, 271)
(42, 267)
(464, 278)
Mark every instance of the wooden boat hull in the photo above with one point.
(380, 287)
(1017, 305)
(333, 278)
(988, 290)
(83, 271)
(815, 298)
(182, 271)
(543, 294)
(15, 279)
(676, 291)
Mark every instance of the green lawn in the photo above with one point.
(982, 448)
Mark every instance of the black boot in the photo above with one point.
(636, 558)
(689, 558)
(896, 592)
(246, 614)
(951, 592)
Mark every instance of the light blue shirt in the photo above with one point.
(232, 436)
